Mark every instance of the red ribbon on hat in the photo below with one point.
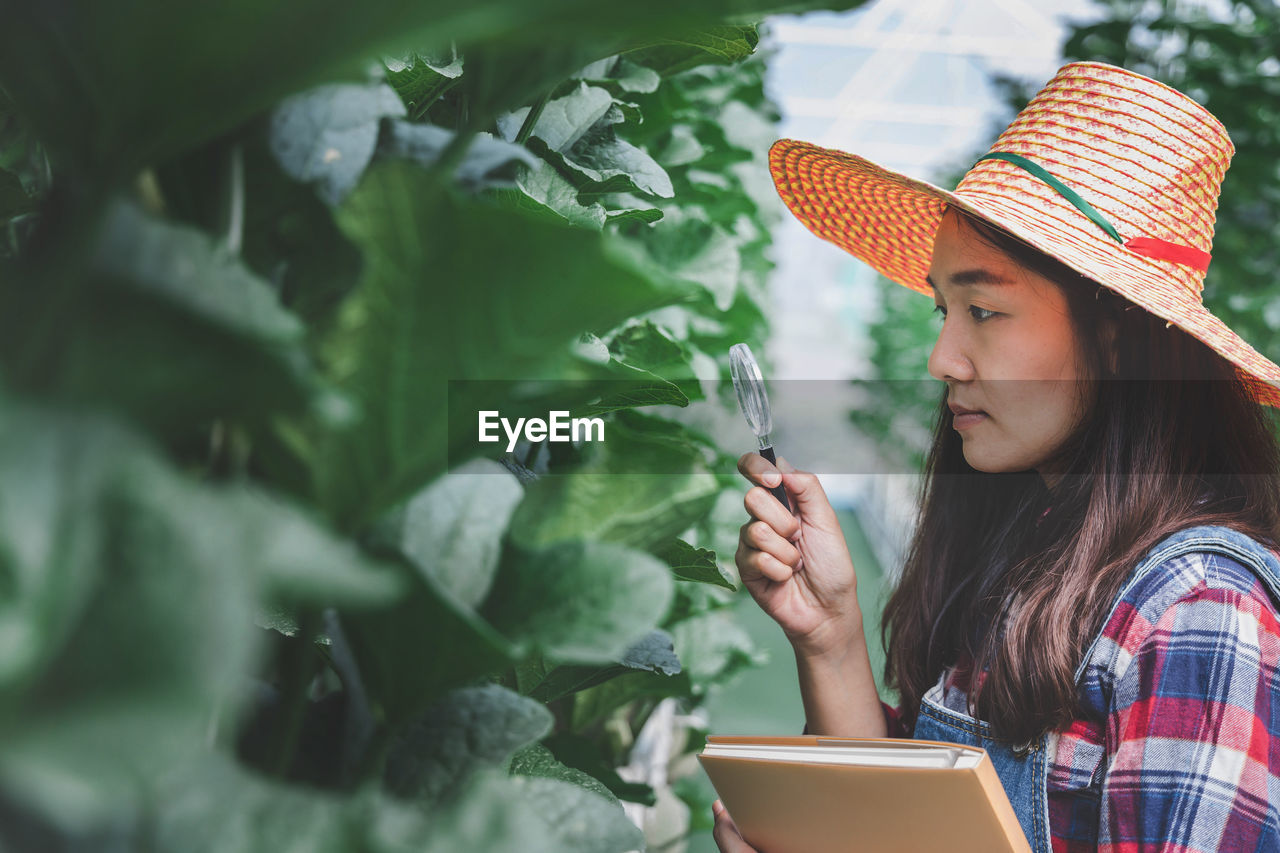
(1150, 247)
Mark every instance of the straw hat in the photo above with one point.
(1114, 174)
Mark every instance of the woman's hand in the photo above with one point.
(797, 568)
(726, 834)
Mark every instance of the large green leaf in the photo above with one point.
(114, 87)
(713, 44)
(486, 161)
(327, 135)
(183, 266)
(453, 528)
(166, 325)
(468, 729)
(580, 820)
(578, 602)
(299, 561)
(419, 80)
(563, 121)
(645, 345)
(128, 627)
(611, 498)
(543, 189)
(545, 681)
(218, 807)
(438, 303)
(537, 760)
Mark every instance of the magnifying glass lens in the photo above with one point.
(748, 384)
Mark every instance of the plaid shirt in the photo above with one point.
(1179, 745)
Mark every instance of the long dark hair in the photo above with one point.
(1172, 439)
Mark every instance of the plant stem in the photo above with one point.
(532, 118)
(299, 668)
(235, 200)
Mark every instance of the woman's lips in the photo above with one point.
(968, 419)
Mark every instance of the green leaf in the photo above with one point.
(541, 679)
(580, 820)
(643, 344)
(218, 806)
(183, 266)
(622, 73)
(634, 214)
(300, 561)
(486, 158)
(563, 121)
(172, 330)
(609, 498)
(694, 564)
(579, 602)
(126, 627)
(419, 80)
(453, 528)
(697, 251)
(633, 77)
(327, 136)
(712, 646)
(466, 730)
(725, 44)
(544, 187)
(493, 814)
(413, 325)
(537, 760)
(604, 157)
(588, 755)
(682, 147)
(594, 703)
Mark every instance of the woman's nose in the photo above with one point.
(949, 360)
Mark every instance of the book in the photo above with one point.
(816, 794)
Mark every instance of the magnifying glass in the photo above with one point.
(748, 384)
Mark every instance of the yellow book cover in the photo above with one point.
(815, 794)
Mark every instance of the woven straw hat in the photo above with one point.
(1112, 173)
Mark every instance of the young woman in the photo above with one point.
(1091, 592)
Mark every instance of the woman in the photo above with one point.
(1091, 592)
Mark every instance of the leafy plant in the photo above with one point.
(260, 588)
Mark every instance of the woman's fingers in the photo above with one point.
(761, 536)
(762, 551)
(726, 833)
(764, 506)
(753, 565)
(758, 470)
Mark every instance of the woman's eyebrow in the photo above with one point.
(965, 278)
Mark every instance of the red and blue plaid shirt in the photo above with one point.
(1179, 746)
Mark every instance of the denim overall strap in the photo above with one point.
(1023, 768)
(1222, 540)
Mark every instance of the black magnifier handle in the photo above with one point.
(779, 491)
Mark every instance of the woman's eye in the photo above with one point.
(978, 314)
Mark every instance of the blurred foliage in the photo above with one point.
(255, 591)
(1226, 57)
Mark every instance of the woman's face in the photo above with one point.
(1007, 349)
